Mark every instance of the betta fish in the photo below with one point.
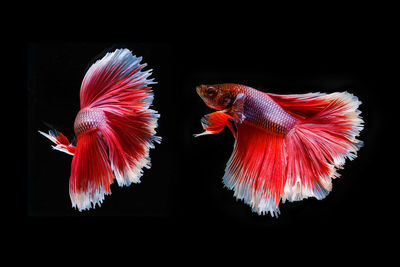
(114, 129)
(287, 147)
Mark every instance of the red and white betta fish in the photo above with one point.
(287, 147)
(114, 128)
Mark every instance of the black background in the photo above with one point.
(182, 194)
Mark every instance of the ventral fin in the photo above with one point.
(62, 143)
(214, 122)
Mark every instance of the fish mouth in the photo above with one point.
(199, 89)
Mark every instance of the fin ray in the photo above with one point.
(302, 105)
(91, 174)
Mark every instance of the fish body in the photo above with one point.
(259, 109)
(114, 129)
(287, 147)
(89, 119)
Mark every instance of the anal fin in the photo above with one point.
(256, 168)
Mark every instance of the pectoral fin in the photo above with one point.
(214, 122)
(238, 108)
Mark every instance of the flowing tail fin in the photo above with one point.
(115, 128)
(91, 174)
(322, 143)
(266, 167)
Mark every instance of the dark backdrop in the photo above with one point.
(183, 191)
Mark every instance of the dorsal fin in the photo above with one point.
(302, 106)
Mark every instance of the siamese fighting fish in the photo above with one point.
(114, 129)
(287, 147)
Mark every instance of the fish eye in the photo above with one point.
(211, 91)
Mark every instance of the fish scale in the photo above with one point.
(261, 110)
(88, 119)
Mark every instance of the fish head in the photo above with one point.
(217, 96)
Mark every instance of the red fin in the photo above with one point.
(91, 173)
(214, 122)
(118, 148)
(62, 143)
(256, 169)
(116, 83)
(129, 139)
(319, 146)
(302, 106)
(230, 126)
(266, 167)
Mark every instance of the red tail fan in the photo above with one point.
(115, 128)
